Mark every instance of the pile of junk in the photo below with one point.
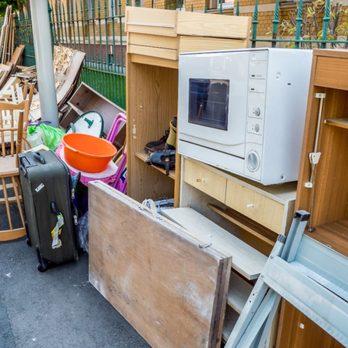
(45, 170)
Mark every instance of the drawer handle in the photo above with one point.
(250, 205)
(200, 180)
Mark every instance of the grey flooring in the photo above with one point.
(58, 308)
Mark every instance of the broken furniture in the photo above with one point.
(155, 39)
(169, 285)
(87, 99)
(13, 120)
(322, 185)
(7, 35)
(67, 65)
(308, 274)
(247, 212)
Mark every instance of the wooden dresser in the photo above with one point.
(322, 187)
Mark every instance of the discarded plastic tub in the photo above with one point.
(87, 153)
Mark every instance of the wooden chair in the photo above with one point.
(13, 121)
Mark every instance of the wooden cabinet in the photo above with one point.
(322, 187)
(155, 40)
(269, 206)
(251, 215)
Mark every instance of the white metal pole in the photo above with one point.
(44, 60)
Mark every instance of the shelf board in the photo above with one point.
(143, 157)
(245, 223)
(337, 122)
(238, 293)
(334, 235)
(245, 259)
(231, 318)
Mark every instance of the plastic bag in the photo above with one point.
(50, 136)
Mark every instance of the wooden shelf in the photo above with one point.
(337, 122)
(245, 259)
(238, 293)
(245, 223)
(333, 234)
(143, 157)
(231, 318)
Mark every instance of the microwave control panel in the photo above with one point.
(257, 80)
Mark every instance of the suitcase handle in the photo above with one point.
(39, 157)
(23, 166)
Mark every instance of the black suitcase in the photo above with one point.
(46, 190)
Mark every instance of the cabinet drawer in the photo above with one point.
(205, 180)
(256, 206)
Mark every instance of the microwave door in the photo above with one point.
(214, 102)
(208, 103)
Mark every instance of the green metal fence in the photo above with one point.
(98, 30)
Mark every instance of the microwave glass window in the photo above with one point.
(208, 103)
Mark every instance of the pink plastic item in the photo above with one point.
(108, 176)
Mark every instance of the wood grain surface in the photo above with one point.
(171, 290)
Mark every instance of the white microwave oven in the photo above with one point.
(244, 110)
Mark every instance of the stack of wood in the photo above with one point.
(7, 36)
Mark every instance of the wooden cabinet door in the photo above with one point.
(297, 331)
(170, 287)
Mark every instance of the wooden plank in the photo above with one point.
(153, 52)
(238, 293)
(332, 72)
(17, 55)
(202, 44)
(337, 122)
(245, 259)
(172, 291)
(150, 21)
(143, 157)
(153, 41)
(155, 61)
(214, 25)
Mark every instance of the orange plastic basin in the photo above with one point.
(87, 153)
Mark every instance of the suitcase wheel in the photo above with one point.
(28, 241)
(42, 266)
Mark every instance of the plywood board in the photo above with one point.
(151, 21)
(214, 25)
(200, 44)
(157, 52)
(170, 289)
(154, 61)
(153, 41)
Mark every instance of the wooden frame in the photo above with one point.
(327, 200)
(155, 39)
(13, 120)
